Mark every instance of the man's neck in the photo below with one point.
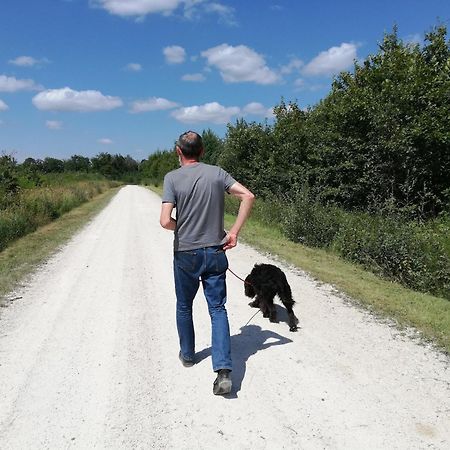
(188, 162)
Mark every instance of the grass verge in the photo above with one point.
(22, 256)
(428, 314)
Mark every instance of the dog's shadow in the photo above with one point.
(250, 340)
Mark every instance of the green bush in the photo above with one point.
(409, 253)
(311, 223)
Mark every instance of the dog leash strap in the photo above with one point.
(238, 277)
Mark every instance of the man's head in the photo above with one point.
(190, 145)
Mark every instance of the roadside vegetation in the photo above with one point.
(30, 198)
(22, 256)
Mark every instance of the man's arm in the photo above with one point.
(246, 198)
(166, 220)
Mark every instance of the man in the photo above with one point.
(197, 190)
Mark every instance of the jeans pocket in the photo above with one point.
(220, 261)
(186, 260)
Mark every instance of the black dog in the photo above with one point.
(265, 281)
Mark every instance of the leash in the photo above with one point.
(239, 278)
(245, 282)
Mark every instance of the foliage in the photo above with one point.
(39, 206)
(9, 182)
(153, 169)
(382, 135)
(212, 145)
(405, 252)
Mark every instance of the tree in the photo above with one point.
(213, 146)
(77, 163)
(52, 165)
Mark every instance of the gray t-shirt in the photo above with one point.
(197, 191)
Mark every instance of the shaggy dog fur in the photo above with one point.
(265, 281)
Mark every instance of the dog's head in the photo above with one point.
(248, 287)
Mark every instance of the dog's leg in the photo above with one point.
(272, 311)
(292, 319)
(292, 322)
(255, 303)
(264, 306)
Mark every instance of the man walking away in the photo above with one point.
(196, 190)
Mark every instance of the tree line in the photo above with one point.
(379, 141)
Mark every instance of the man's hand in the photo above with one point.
(231, 241)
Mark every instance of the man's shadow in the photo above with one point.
(250, 340)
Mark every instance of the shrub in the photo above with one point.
(311, 223)
(409, 253)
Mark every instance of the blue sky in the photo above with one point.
(129, 76)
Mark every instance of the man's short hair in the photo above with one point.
(191, 144)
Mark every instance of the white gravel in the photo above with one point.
(89, 358)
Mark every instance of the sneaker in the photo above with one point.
(222, 384)
(185, 362)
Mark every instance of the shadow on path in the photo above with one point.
(250, 340)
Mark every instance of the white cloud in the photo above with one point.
(239, 64)
(174, 54)
(67, 99)
(12, 84)
(152, 104)
(3, 106)
(27, 61)
(209, 112)
(192, 9)
(53, 124)
(193, 77)
(332, 61)
(105, 141)
(294, 64)
(129, 8)
(257, 109)
(133, 67)
(225, 13)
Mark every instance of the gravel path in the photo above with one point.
(88, 358)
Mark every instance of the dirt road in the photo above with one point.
(88, 358)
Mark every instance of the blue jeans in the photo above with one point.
(210, 265)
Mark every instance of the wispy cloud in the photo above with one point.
(174, 54)
(27, 61)
(294, 65)
(130, 8)
(196, 77)
(225, 13)
(105, 141)
(209, 112)
(12, 84)
(240, 64)
(3, 106)
(133, 67)
(54, 124)
(189, 9)
(332, 61)
(152, 104)
(67, 99)
(414, 39)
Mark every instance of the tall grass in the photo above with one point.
(32, 208)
